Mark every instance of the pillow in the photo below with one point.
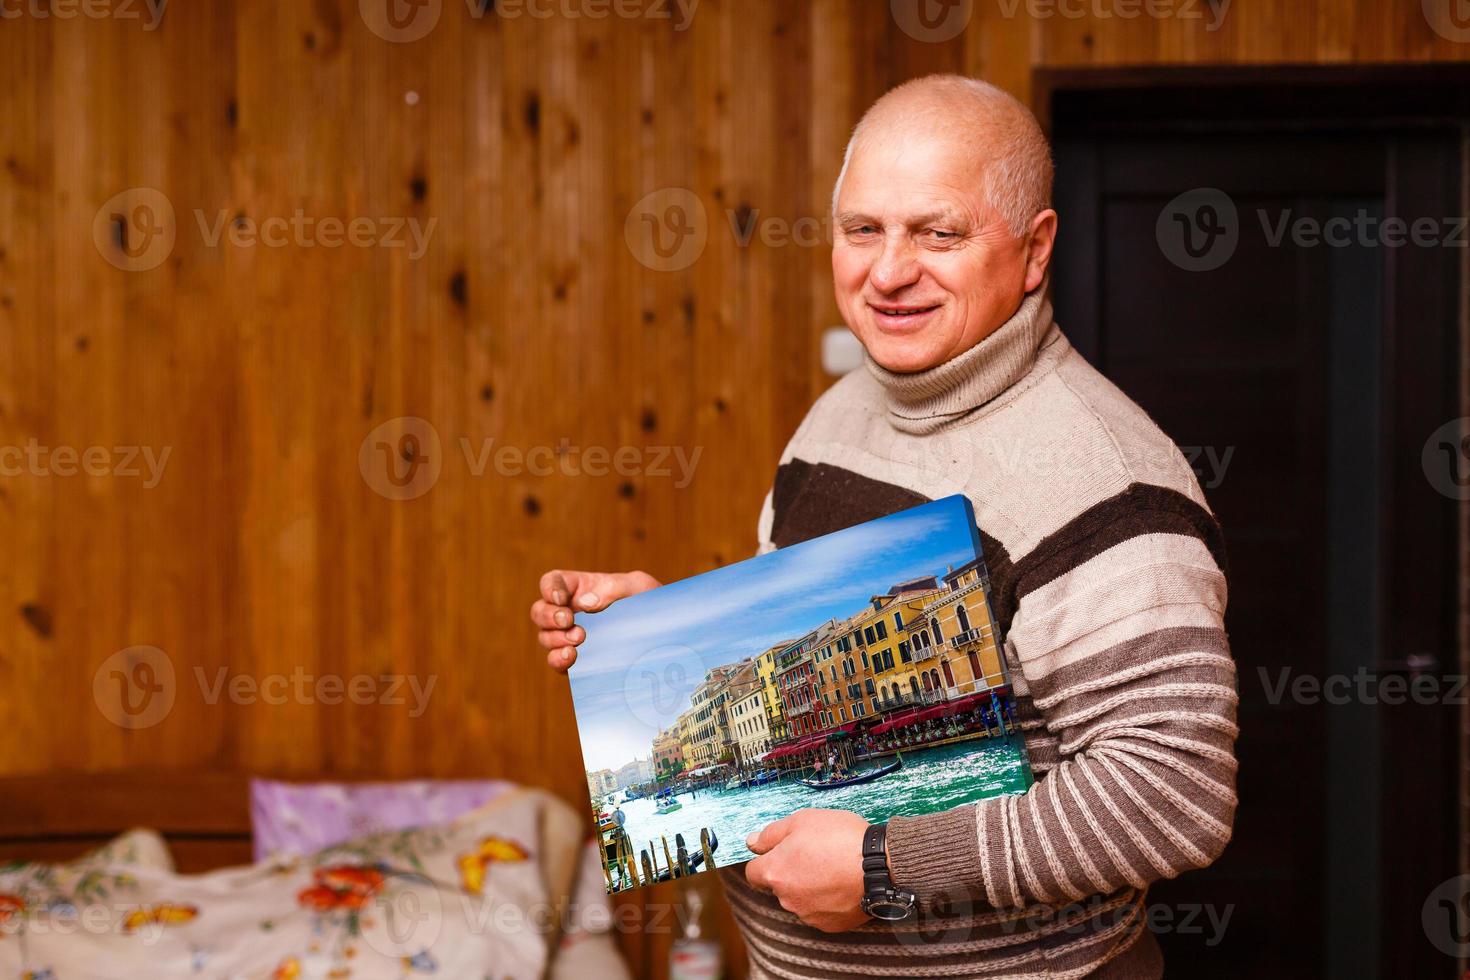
(465, 899)
(302, 818)
(140, 847)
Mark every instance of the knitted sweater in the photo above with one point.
(1107, 578)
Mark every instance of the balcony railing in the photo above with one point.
(967, 638)
(926, 653)
(923, 699)
(799, 709)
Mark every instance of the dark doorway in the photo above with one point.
(1270, 264)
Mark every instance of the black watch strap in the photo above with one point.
(875, 849)
(881, 899)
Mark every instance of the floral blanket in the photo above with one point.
(463, 899)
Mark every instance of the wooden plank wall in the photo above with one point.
(529, 320)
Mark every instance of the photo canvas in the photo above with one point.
(862, 670)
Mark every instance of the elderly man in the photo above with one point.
(1105, 561)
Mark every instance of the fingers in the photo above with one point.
(557, 586)
(768, 837)
(548, 616)
(556, 639)
(758, 875)
(598, 591)
(566, 591)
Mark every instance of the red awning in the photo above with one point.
(904, 718)
(792, 748)
(938, 711)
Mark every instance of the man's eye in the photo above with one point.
(943, 235)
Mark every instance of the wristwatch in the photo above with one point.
(881, 898)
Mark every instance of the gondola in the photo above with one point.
(860, 778)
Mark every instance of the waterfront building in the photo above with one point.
(686, 738)
(953, 640)
(668, 756)
(706, 703)
(750, 723)
(885, 636)
(765, 670)
(796, 680)
(600, 783)
(634, 773)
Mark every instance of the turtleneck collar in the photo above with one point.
(923, 401)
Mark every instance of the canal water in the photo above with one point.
(931, 781)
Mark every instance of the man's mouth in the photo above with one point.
(902, 316)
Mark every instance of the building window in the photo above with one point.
(914, 683)
(882, 629)
(928, 683)
(898, 619)
(963, 617)
(868, 634)
(975, 666)
(866, 665)
(934, 625)
(903, 651)
(870, 685)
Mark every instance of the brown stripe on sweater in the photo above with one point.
(809, 500)
(1140, 509)
(1140, 655)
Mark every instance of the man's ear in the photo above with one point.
(1040, 238)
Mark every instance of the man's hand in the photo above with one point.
(812, 861)
(565, 592)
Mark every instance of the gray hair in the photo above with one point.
(1018, 176)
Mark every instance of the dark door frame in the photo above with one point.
(1426, 347)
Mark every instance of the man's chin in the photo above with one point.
(907, 356)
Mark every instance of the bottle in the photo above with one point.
(692, 957)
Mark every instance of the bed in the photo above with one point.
(204, 819)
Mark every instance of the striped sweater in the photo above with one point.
(1107, 573)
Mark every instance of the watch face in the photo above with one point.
(889, 909)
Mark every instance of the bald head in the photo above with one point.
(982, 122)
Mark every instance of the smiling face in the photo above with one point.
(923, 265)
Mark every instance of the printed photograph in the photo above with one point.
(861, 670)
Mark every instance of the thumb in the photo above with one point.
(598, 591)
(768, 837)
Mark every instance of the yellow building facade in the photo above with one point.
(952, 641)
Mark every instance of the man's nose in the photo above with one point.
(897, 267)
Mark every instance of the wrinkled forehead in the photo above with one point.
(903, 173)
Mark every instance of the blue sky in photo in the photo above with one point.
(644, 656)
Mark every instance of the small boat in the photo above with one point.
(667, 804)
(854, 780)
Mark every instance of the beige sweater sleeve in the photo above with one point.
(1122, 647)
